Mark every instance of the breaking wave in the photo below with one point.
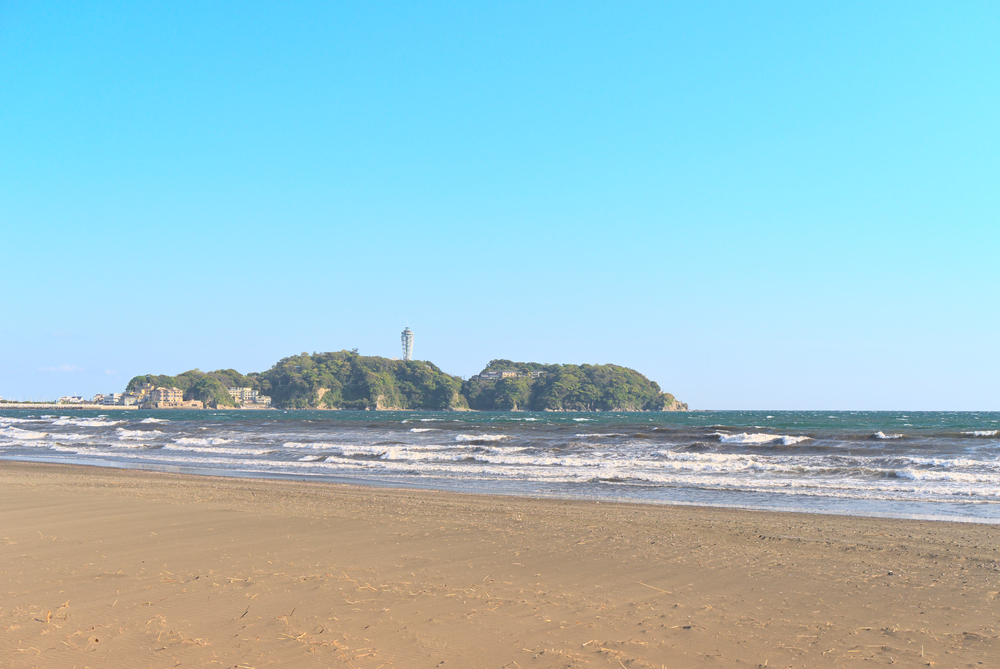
(757, 438)
(137, 434)
(696, 458)
(225, 451)
(18, 433)
(199, 441)
(100, 421)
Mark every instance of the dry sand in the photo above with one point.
(105, 568)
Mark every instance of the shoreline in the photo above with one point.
(117, 566)
(208, 472)
(30, 406)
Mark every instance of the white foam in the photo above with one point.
(957, 477)
(217, 450)
(703, 457)
(705, 470)
(580, 420)
(76, 449)
(128, 444)
(18, 433)
(71, 437)
(198, 441)
(883, 435)
(137, 434)
(154, 420)
(100, 421)
(947, 462)
(481, 437)
(319, 445)
(970, 475)
(757, 438)
(4, 420)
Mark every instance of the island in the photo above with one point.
(348, 380)
(530, 386)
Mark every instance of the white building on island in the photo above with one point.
(407, 338)
(248, 397)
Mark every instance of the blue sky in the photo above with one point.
(777, 206)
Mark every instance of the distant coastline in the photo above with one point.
(61, 407)
(346, 380)
(350, 381)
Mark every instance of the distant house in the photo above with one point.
(143, 391)
(166, 395)
(504, 374)
(130, 399)
(169, 398)
(249, 397)
(111, 399)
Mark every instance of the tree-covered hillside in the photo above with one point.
(346, 380)
(565, 388)
(209, 387)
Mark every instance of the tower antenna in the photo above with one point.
(407, 338)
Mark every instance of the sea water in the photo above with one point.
(941, 465)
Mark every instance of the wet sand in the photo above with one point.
(109, 568)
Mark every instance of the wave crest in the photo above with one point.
(758, 438)
(198, 441)
(137, 434)
(18, 433)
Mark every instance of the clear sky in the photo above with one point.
(757, 205)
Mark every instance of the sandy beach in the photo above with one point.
(119, 568)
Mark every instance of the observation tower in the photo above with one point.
(407, 338)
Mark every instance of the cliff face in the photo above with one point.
(671, 403)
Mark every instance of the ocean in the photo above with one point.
(933, 465)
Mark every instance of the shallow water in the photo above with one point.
(923, 464)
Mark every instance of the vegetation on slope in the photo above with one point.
(208, 387)
(566, 388)
(346, 380)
